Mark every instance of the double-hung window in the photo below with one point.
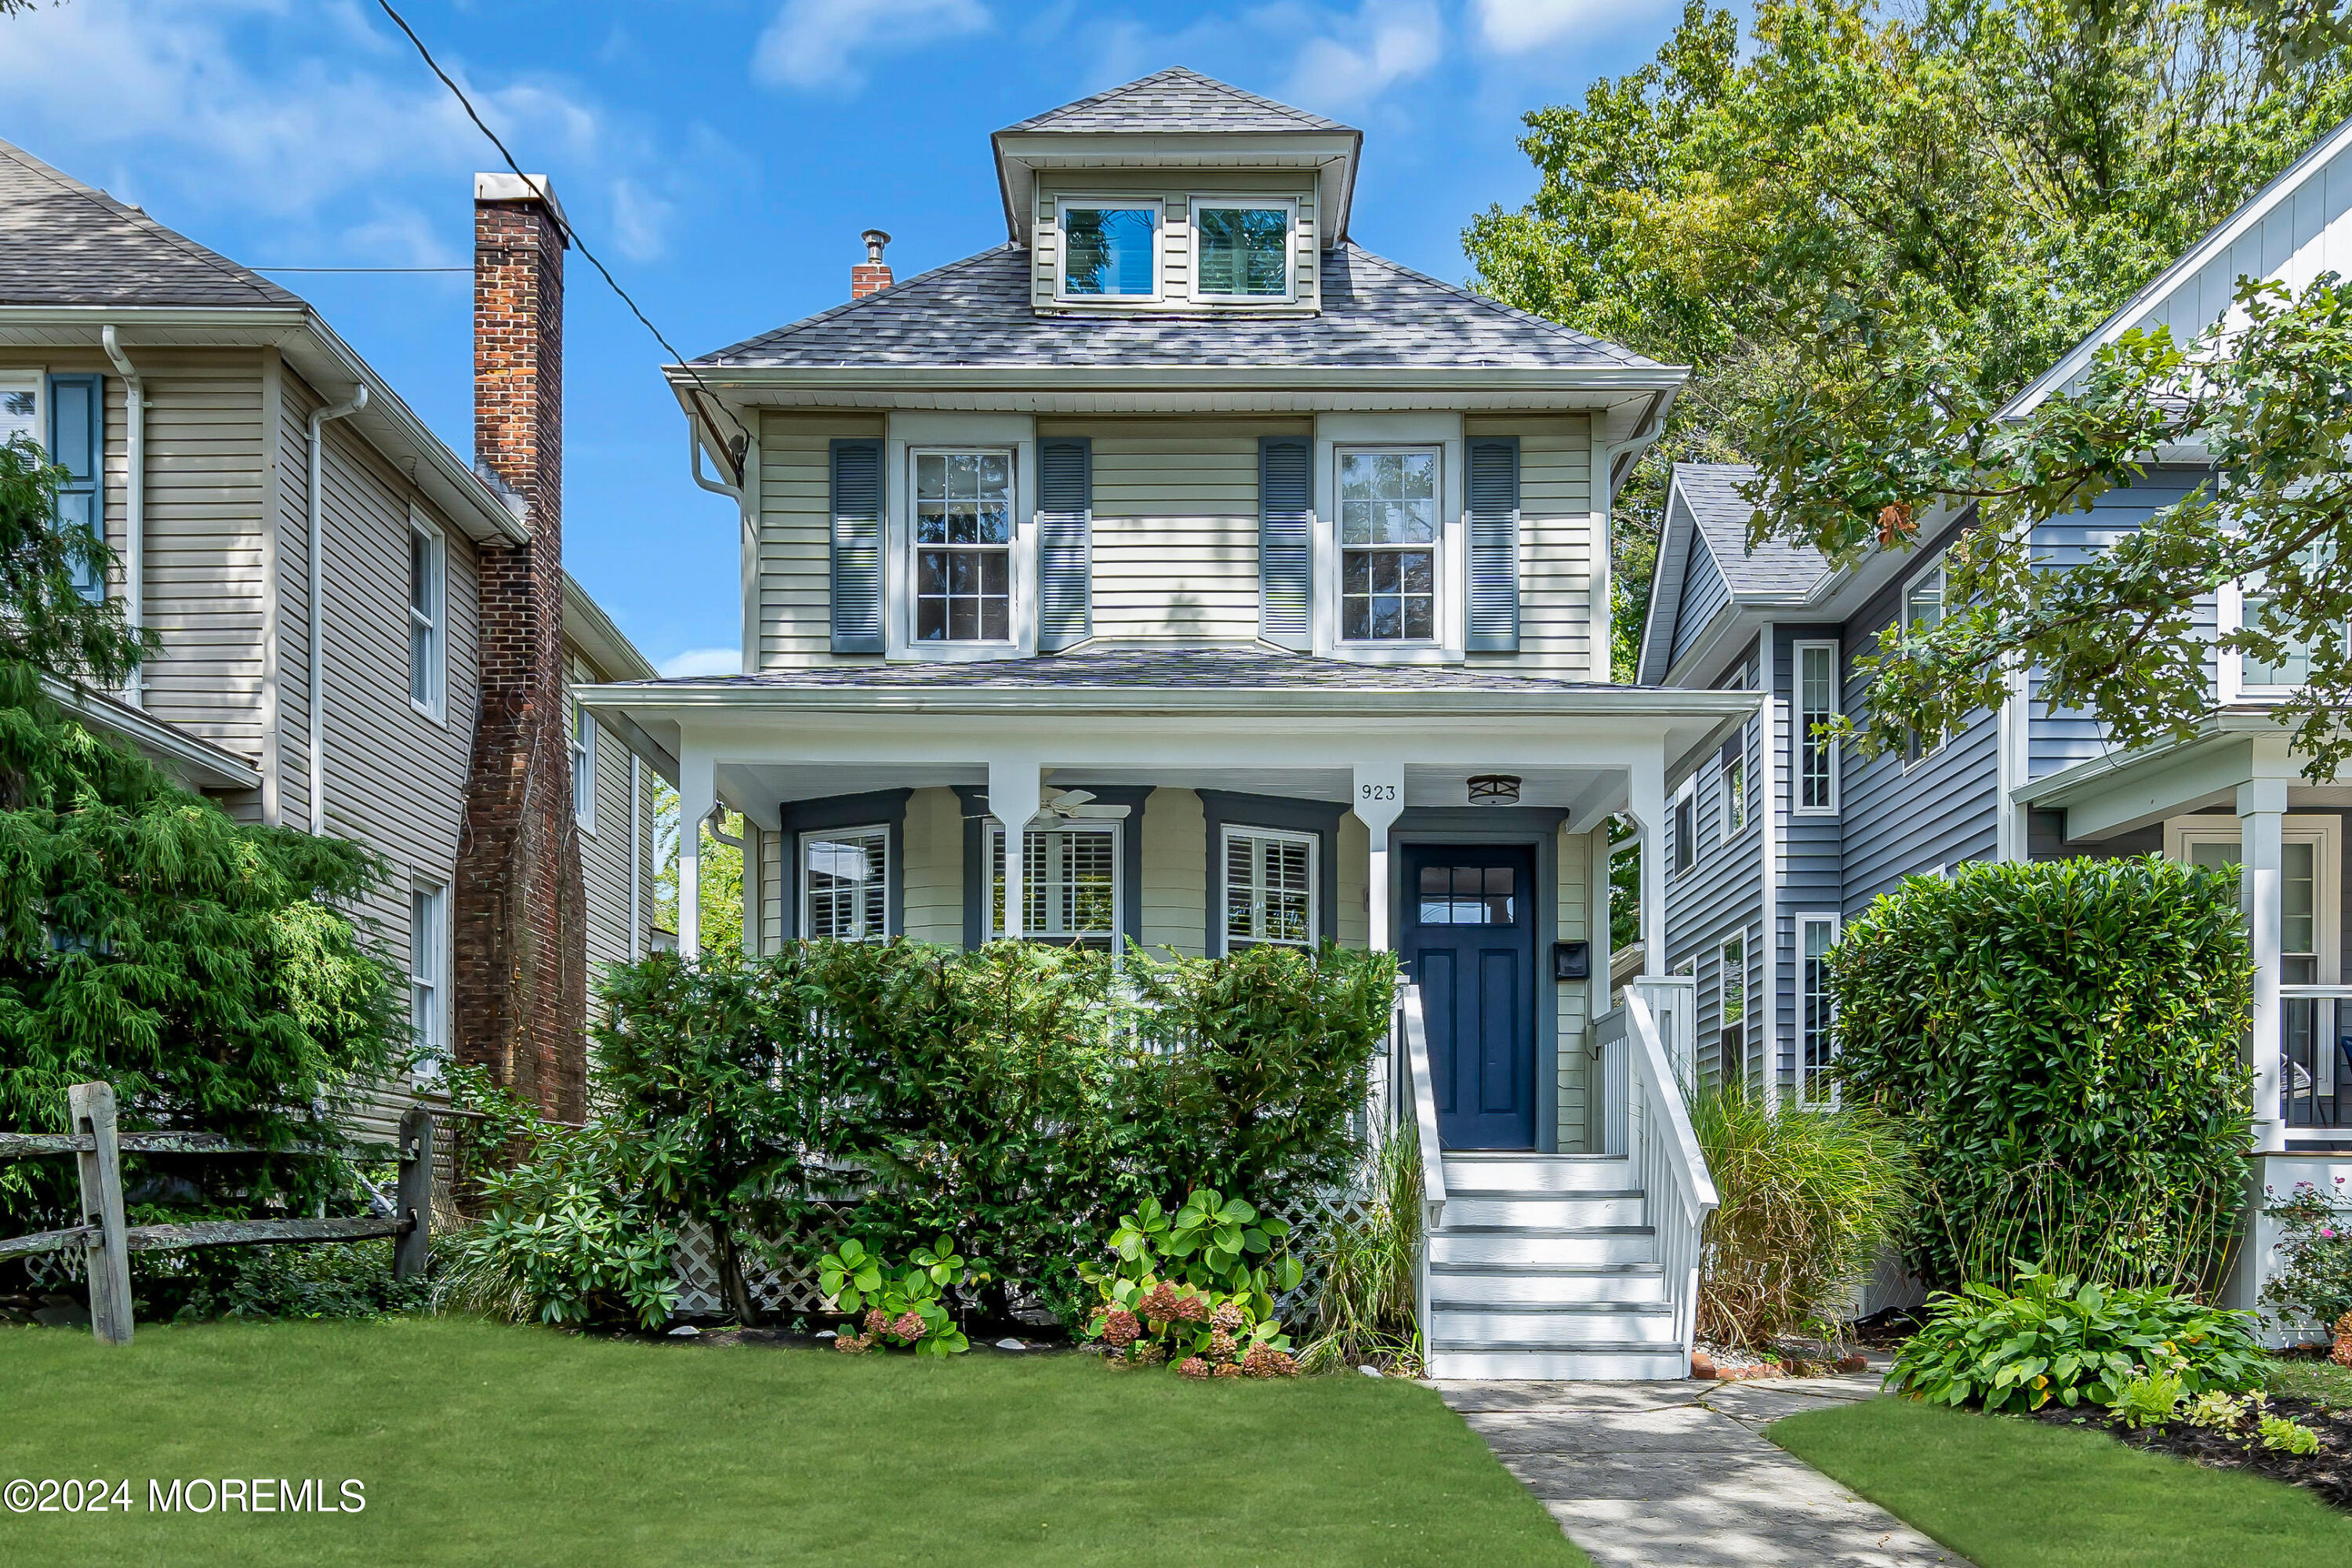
(1269, 887)
(1735, 790)
(1817, 706)
(1388, 546)
(1241, 252)
(844, 883)
(1069, 879)
(1922, 608)
(1731, 997)
(2293, 667)
(427, 601)
(428, 992)
(583, 756)
(1685, 830)
(1816, 1043)
(963, 547)
(1110, 251)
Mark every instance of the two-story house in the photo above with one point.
(360, 633)
(1779, 838)
(1179, 572)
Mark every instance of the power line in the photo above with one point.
(361, 269)
(563, 227)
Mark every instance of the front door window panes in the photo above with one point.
(1388, 546)
(1468, 895)
(1245, 252)
(1108, 252)
(963, 538)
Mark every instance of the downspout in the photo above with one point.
(134, 501)
(317, 668)
(636, 883)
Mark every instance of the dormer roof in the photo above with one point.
(1176, 118)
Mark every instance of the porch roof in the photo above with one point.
(1212, 669)
(2124, 790)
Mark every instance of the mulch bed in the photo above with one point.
(2328, 1472)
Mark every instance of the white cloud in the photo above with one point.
(1513, 26)
(812, 43)
(703, 661)
(1384, 43)
(640, 220)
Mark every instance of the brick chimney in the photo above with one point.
(872, 275)
(521, 915)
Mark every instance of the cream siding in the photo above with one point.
(1175, 872)
(931, 878)
(1173, 190)
(795, 555)
(1354, 918)
(1554, 547)
(775, 887)
(604, 854)
(1575, 918)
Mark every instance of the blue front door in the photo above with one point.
(1467, 937)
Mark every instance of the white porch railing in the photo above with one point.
(1678, 1191)
(1414, 1110)
(2314, 1057)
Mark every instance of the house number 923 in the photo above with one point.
(1380, 791)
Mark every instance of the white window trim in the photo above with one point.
(435, 705)
(1934, 562)
(1114, 831)
(35, 381)
(1233, 830)
(1444, 620)
(1685, 795)
(1289, 295)
(585, 745)
(437, 951)
(1019, 549)
(2320, 831)
(1836, 923)
(1747, 1001)
(2231, 684)
(1726, 832)
(1158, 211)
(801, 877)
(1797, 731)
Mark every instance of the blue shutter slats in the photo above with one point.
(1494, 497)
(1064, 541)
(1285, 518)
(857, 546)
(76, 442)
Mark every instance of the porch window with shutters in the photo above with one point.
(1064, 541)
(1069, 883)
(76, 442)
(1269, 887)
(844, 883)
(857, 546)
(1285, 514)
(1494, 522)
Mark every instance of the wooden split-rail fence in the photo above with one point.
(108, 1243)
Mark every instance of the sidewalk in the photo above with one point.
(1675, 1474)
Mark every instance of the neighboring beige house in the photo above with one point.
(309, 556)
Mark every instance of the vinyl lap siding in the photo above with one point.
(1812, 851)
(932, 881)
(1175, 872)
(1573, 1076)
(604, 856)
(1703, 593)
(1554, 547)
(1175, 526)
(795, 559)
(1721, 894)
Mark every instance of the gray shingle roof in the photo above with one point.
(979, 311)
(1177, 99)
(1721, 513)
(1225, 670)
(63, 243)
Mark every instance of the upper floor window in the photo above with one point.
(583, 755)
(1817, 1042)
(1817, 705)
(427, 938)
(964, 546)
(427, 601)
(1111, 251)
(2293, 667)
(1241, 252)
(1069, 879)
(1922, 608)
(844, 886)
(1685, 829)
(1388, 546)
(1269, 887)
(1734, 791)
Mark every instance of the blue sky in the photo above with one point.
(722, 156)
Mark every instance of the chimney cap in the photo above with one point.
(513, 188)
(875, 240)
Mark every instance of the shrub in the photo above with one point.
(2282, 1436)
(1199, 1285)
(2056, 1338)
(2313, 1282)
(345, 1279)
(895, 1307)
(2061, 1043)
(1808, 1198)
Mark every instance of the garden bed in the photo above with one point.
(2328, 1472)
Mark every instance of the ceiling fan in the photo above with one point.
(1076, 805)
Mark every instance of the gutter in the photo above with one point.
(200, 763)
(1663, 379)
(134, 500)
(318, 672)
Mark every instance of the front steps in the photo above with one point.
(1545, 1268)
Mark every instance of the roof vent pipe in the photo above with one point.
(317, 665)
(134, 498)
(872, 275)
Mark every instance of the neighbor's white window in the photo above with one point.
(1388, 546)
(964, 546)
(1069, 881)
(1110, 251)
(1735, 791)
(844, 883)
(1685, 829)
(1731, 995)
(583, 755)
(1922, 608)
(1269, 887)
(20, 407)
(1817, 704)
(1241, 251)
(1816, 1044)
(429, 596)
(2293, 667)
(428, 939)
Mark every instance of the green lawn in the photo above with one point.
(483, 1444)
(2325, 1384)
(2007, 1492)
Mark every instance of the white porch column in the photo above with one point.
(1014, 792)
(698, 792)
(2262, 805)
(1647, 788)
(1379, 800)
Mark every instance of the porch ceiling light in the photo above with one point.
(1494, 789)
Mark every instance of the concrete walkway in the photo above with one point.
(1673, 1475)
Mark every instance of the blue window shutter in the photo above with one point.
(1495, 545)
(78, 444)
(857, 546)
(1064, 541)
(1285, 514)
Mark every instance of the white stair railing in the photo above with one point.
(1416, 1111)
(1677, 1191)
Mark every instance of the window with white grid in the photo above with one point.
(1817, 1042)
(1070, 879)
(1269, 887)
(427, 962)
(844, 883)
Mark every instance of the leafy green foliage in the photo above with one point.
(907, 1307)
(1367, 1308)
(2060, 1042)
(50, 626)
(2150, 1399)
(348, 1280)
(1809, 1198)
(2282, 1435)
(2311, 1277)
(2055, 1338)
(1197, 1287)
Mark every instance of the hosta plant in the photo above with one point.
(890, 1307)
(2055, 1338)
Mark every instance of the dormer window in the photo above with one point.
(1111, 251)
(1242, 252)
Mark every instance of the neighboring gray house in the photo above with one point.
(1179, 571)
(1777, 840)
